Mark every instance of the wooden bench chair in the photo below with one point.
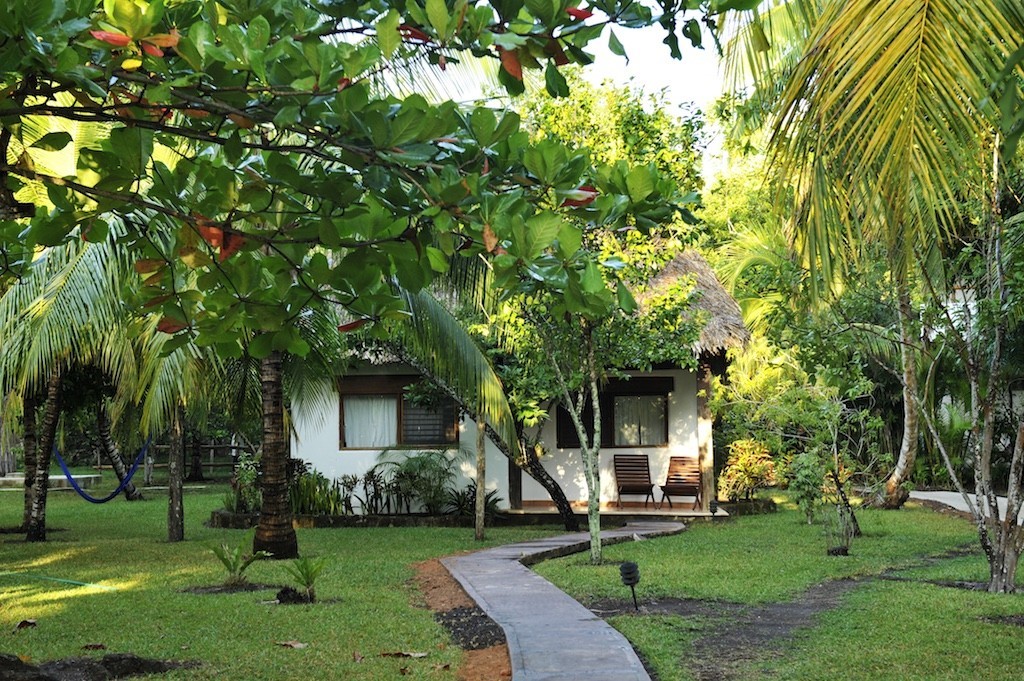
(633, 476)
(683, 480)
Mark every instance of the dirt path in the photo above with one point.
(485, 655)
(738, 633)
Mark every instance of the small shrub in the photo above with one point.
(839, 531)
(750, 467)
(245, 495)
(806, 481)
(462, 502)
(425, 477)
(375, 486)
(311, 493)
(236, 562)
(306, 571)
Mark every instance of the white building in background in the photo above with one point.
(659, 414)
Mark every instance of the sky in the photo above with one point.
(695, 78)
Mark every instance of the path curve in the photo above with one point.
(550, 636)
(956, 500)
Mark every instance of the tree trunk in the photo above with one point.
(526, 459)
(7, 463)
(481, 479)
(195, 469)
(536, 470)
(30, 440)
(36, 527)
(275, 533)
(113, 454)
(895, 493)
(175, 478)
(592, 455)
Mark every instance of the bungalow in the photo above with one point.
(659, 414)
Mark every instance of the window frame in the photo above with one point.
(637, 386)
(390, 385)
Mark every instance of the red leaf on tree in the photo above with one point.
(211, 234)
(581, 197)
(510, 62)
(343, 83)
(233, 242)
(241, 121)
(490, 239)
(196, 113)
(412, 33)
(156, 301)
(579, 14)
(152, 50)
(170, 326)
(150, 265)
(345, 328)
(111, 38)
(555, 51)
(163, 39)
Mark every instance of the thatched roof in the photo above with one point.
(724, 328)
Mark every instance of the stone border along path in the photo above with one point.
(550, 636)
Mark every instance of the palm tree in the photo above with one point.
(875, 121)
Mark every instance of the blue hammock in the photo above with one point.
(124, 483)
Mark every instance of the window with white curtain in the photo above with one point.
(371, 421)
(375, 414)
(634, 413)
(640, 420)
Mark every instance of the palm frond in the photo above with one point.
(437, 339)
(887, 100)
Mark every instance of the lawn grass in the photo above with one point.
(758, 559)
(884, 630)
(910, 631)
(134, 602)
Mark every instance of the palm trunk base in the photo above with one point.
(892, 496)
(281, 543)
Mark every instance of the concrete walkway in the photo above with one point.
(550, 636)
(956, 500)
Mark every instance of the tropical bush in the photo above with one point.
(462, 502)
(245, 495)
(424, 478)
(750, 467)
(806, 477)
(311, 493)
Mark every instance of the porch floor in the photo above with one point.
(616, 516)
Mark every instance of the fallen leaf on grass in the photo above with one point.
(404, 671)
(25, 624)
(357, 656)
(403, 654)
(298, 645)
(442, 667)
(94, 646)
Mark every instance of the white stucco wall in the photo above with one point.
(316, 440)
(565, 466)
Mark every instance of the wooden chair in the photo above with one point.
(633, 476)
(683, 479)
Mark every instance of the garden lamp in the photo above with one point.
(630, 573)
